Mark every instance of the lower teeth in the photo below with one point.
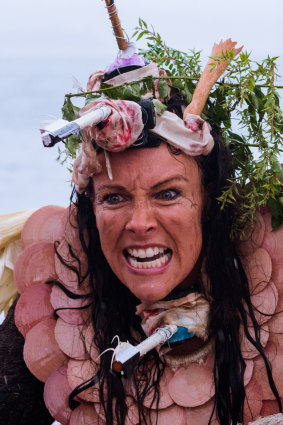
(149, 264)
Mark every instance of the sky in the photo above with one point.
(44, 43)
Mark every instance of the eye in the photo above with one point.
(168, 195)
(113, 199)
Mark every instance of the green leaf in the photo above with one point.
(69, 111)
(159, 107)
(276, 209)
(163, 89)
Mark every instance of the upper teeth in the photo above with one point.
(145, 253)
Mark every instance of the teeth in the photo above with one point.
(145, 253)
(158, 262)
(149, 252)
(142, 253)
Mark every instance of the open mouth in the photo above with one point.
(148, 258)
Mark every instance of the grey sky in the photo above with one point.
(43, 43)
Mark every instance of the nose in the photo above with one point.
(142, 219)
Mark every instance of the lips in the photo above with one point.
(152, 257)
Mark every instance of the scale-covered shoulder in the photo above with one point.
(262, 257)
(10, 247)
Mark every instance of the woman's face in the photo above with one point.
(149, 219)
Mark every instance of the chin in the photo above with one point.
(150, 293)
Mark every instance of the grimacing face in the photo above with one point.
(149, 219)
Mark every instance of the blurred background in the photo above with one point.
(44, 43)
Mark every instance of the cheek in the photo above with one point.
(109, 225)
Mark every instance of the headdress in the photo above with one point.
(245, 98)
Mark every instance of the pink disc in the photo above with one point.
(248, 349)
(41, 351)
(273, 244)
(253, 240)
(265, 303)
(253, 401)
(201, 414)
(35, 264)
(258, 268)
(275, 324)
(132, 417)
(33, 306)
(70, 340)
(249, 371)
(72, 311)
(70, 258)
(275, 357)
(266, 215)
(89, 344)
(277, 276)
(80, 371)
(56, 396)
(133, 412)
(192, 386)
(169, 416)
(84, 414)
(45, 225)
(269, 407)
(71, 229)
(165, 400)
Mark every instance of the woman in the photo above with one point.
(153, 240)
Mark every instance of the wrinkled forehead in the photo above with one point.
(147, 166)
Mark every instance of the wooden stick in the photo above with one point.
(116, 24)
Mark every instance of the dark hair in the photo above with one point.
(113, 309)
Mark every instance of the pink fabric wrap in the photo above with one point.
(120, 131)
(124, 126)
(94, 80)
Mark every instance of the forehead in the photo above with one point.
(147, 167)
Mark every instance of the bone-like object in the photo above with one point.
(209, 76)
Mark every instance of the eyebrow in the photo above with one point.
(177, 177)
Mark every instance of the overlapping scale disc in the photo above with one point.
(270, 407)
(249, 351)
(201, 414)
(71, 229)
(80, 371)
(193, 386)
(171, 415)
(89, 344)
(165, 399)
(273, 244)
(275, 356)
(275, 324)
(253, 402)
(73, 311)
(45, 225)
(248, 371)
(265, 303)
(258, 268)
(36, 264)
(41, 351)
(56, 396)
(70, 263)
(253, 240)
(37, 296)
(70, 340)
(84, 414)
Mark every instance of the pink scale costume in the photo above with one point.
(54, 312)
